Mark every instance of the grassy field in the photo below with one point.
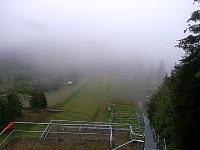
(87, 101)
(90, 102)
(58, 97)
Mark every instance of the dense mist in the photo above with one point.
(92, 36)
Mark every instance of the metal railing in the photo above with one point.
(100, 128)
(161, 143)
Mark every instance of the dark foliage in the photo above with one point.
(14, 106)
(38, 100)
(175, 108)
(3, 111)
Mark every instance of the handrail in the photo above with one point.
(45, 129)
(83, 124)
(134, 140)
(6, 138)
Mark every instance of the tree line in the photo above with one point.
(23, 80)
(11, 101)
(174, 109)
(16, 67)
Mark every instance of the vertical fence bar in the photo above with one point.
(139, 125)
(13, 134)
(111, 136)
(165, 147)
(158, 144)
(131, 132)
(138, 146)
(80, 128)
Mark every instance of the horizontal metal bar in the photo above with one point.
(106, 123)
(39, 123)
(61, 132)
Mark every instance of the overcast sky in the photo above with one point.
(96, 30)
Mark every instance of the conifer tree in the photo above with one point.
(38, 100)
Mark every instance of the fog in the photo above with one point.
(94, 35)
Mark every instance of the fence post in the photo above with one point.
(131, 131)
(80, 128)
(138, 146)
(165, 147)
(111, 136)
(158, 142)
(143, 147)
(155, 134)
(13, 134)
(58, 129)
(139, 125)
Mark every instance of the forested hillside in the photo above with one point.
(175, 107)
(23, 83)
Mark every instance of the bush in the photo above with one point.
(38, 100)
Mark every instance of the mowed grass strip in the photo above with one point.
(90, 102)
(86, 102)
(56, 98)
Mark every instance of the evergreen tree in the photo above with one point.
(43, 103)
(150, 80)
(187, 88)
(160, 74)
(38, 100)
(175, 107)
(3, 111)
(14, 106)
